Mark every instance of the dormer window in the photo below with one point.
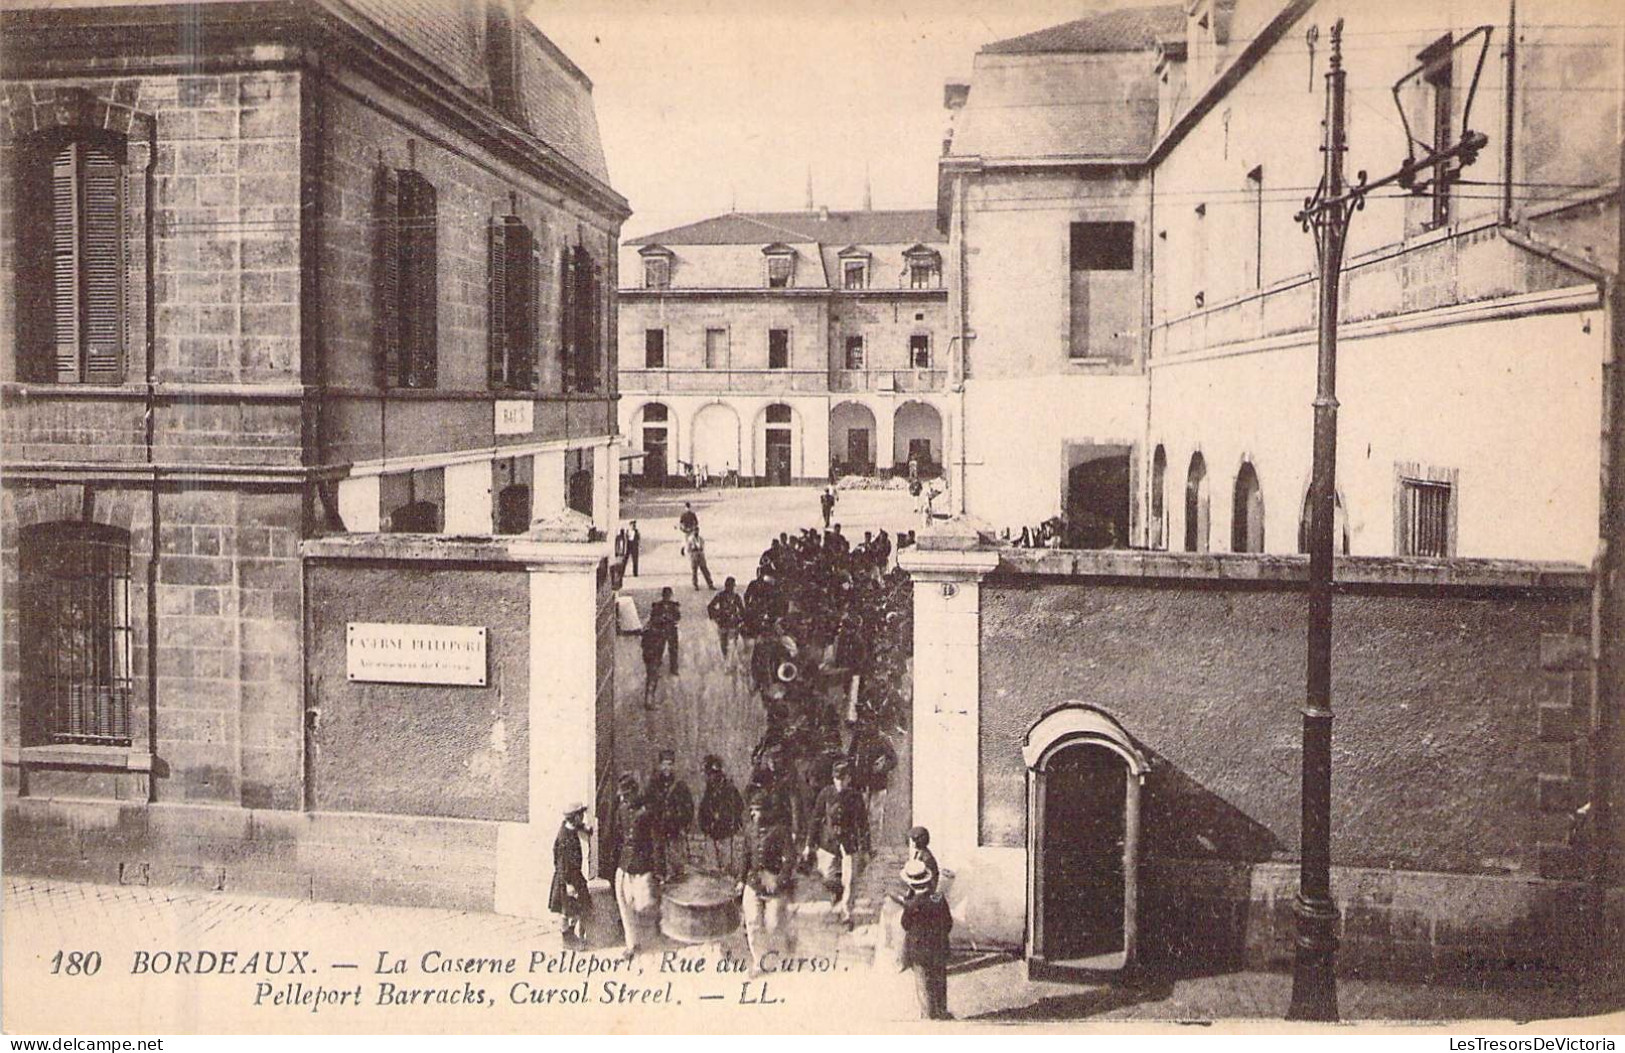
(656, 267)
(924, 267)
(854, 268)
(780, 261)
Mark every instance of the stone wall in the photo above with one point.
(420, 749)
(1460, 751)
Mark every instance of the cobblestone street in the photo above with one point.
(990, 989)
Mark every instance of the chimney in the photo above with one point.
(954, 94)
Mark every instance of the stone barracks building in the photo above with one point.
(295, 288)
(1108, 743)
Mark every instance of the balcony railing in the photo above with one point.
(883, 380)
(709, 381)
(747, 381)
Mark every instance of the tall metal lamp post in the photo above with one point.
(1327, 215)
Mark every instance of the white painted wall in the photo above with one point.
(1513, 404)
(1016, 431)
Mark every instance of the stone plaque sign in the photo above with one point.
(517, 417)
(415, 654)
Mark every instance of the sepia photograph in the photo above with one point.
(530, 517)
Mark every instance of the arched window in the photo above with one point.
(1159, 499)
(72, 299)
(1340, 526)
(1196, 506)
(75, 634)
(1247, 512)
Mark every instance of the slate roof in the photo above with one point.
(1131, 29)
(556, 95)
(841, 228)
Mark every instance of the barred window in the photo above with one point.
(72, 296)
(76, 634)
(515, 326)
(405, 260)
(1424, 519)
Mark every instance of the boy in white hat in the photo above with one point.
(926, 925)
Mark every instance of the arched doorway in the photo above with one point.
(657, 432)
(1247, 512)
(716, 439)
(852, 439)
(778, 445)
(1196, 505)
(1084, 776)
(917, 436)
(1097, 496)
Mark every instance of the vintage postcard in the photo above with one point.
(828, 517)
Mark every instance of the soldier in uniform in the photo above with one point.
(671, 805)
(637, 891)
(838, 837)
(720, 809)
(766, 879)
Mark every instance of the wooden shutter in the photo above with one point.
(567, 304)
(538, 270)
(595, 323)
(421, 284)
(103, 267)
(65, 245)
(386, 299)
(35, 226)
(520, 313)
(497, 336)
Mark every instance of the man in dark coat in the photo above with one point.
(927, 923)
(633, 541)
(766, 879)
(672, 806)
(838, 837)
(569, 895)
(637, 893)
(728, 611)
(721, 808)
(664, 617)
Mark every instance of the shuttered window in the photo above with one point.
(581, 318)
(514, 305)
(76, 634)
(406, 279)
(72, 300)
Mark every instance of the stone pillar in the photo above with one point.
(563, 751)
(547, 484)
(947, 675)
(603, 485)
(468, 498)
(885, 434)
(358, 504)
